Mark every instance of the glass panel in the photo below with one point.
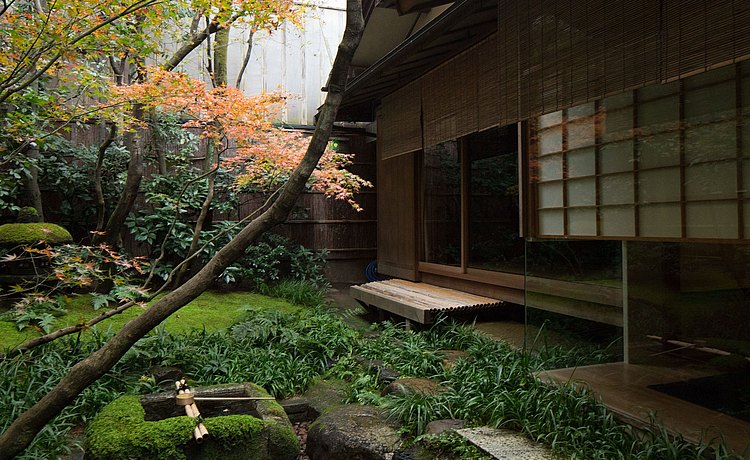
(658, 91)
(581, 162)
(617, 221)
(616, 157)
(746, 138)
(494, 242)
(619, 101)
(573, 295)
(660, 220)
(617, 124)
(616, 189)
(711, 181)
(582, 221)
(711, 142)
(714, 102)
(713, 219)
(550, 168)
(581, 133)
(580, 111)
(581, 192)
(659, 150)
(659, 185)
(550, 119)
(550, 195)
(550, 140)
(551, 221)
(659, 114)
(442, 204)
(746, 218)
(695, 294)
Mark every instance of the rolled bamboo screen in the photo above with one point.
(557, 54)
(400, 121)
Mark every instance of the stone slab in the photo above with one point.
(505, 444)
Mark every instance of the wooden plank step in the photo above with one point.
(419, 301)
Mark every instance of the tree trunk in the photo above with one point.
(221, 47)
(24, 429)
(245, 61)
(98, 190)
(212, 158)
(33, 193)
(134, 143)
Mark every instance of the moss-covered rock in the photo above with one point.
(119, 431)
(353, 432)
(28, 214)
(30, 233)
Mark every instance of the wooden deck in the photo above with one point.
(419, 301)
(624, 389)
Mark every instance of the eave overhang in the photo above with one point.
(462, 25)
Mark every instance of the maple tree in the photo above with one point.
(59, 56)
(23, 429)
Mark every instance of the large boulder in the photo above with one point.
(353, 432)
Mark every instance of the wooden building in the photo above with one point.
(588, 161)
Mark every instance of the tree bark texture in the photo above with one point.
(221, 48)
(134, 143)
(98, 191)
(33, 193)
(23, 430)
(245, 61)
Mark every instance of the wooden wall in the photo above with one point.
(397, 216)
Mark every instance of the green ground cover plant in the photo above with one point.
(286, 351)
(212, 311)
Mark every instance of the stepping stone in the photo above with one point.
(505, 444)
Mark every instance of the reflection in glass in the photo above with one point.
(494, 242)
(574, 295)
(442, 204)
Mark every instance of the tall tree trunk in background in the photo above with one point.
(98, 190)
(221, 48)
(211, 168)
(24, 429)
(134, 144)
(33, 193)
(245, 61)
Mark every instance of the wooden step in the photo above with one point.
(419, 301)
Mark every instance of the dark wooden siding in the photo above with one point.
(397, 215)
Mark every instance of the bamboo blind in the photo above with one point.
(488, 105)
(449, 98)
(399, 121)
(570, 52)
(700, 34)
(556, 54)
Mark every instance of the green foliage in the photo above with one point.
(30, 233)
(275, 258)
(287, 352)
(68, 169)
(67, 269)
(297, 292)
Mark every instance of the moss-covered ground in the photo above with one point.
(212, 311)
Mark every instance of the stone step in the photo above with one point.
(505, 444)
